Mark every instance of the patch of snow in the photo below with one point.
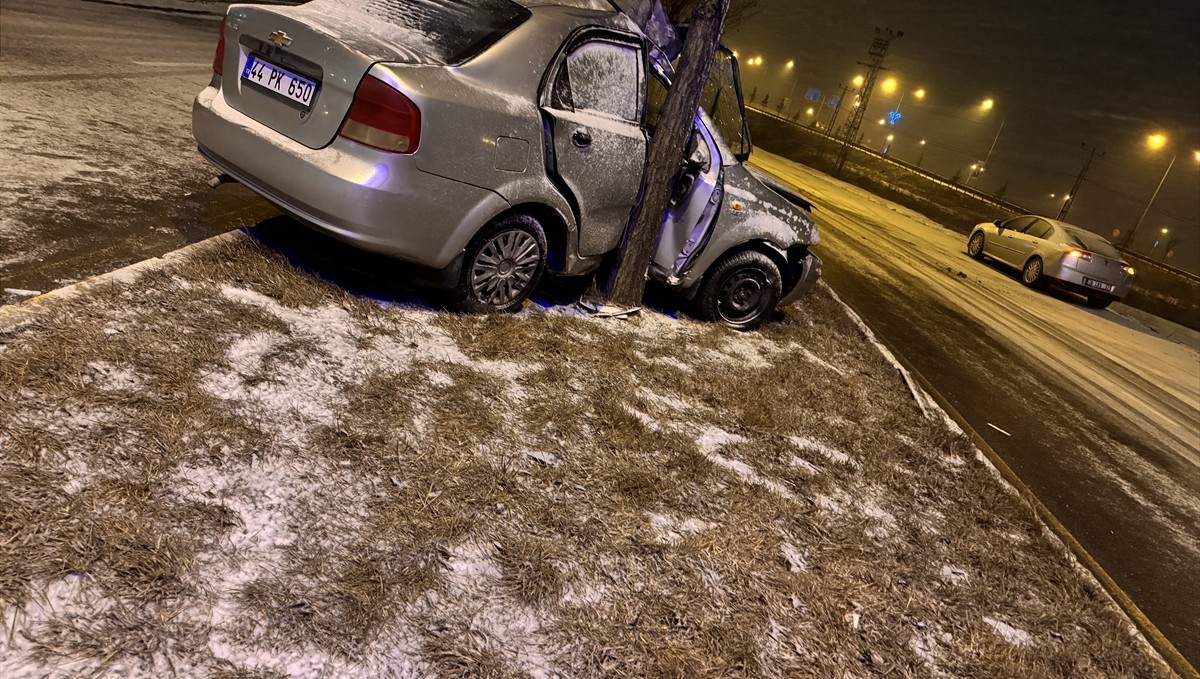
(1013, 635)
(748, 474)
(110, 378)
(797, 560)
(954, 575)
(668, 402)
(647, 421)
(831, 454)
(439, 379)
(712, 439)
(671, 530)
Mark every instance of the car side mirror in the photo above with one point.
(999, 224)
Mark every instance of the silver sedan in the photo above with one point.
(1050, 252)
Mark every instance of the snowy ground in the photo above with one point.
(230, 468)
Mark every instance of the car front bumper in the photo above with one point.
(810, 273)
(371, 199)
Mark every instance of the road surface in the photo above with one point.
(97, 164)
(1100, 417)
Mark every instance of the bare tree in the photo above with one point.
(739, 11)
(626, 283)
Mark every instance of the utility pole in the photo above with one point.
(1092, 150)
(1128, 240)
(879, 47)
(846, 89)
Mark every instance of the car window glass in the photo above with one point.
(1040, 229)
(601, 77)
(722, 102)
(1019, 223)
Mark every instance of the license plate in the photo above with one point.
(283, 82)
(1097, 284)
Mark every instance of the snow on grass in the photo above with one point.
(1013, 635)
(671, 530)
(386, 491)
(831, 454)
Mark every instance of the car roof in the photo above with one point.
(602, 5)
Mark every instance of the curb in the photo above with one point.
(923, 390)
(15, 315)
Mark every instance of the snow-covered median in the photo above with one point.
(230, 468)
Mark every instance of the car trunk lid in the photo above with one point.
(1100, 260)
(329, 45)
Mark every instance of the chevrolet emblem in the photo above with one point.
(280, 39)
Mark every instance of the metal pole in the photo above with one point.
(989, 153)
(1078, 180)
(1129, 236)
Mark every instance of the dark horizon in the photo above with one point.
(1107, 74)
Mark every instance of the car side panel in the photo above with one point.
(750, 213)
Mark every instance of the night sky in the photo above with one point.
(1103, 72)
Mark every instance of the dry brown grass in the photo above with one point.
(544, 506)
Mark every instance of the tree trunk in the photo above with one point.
(626, 283)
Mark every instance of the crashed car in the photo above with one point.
(492, 141)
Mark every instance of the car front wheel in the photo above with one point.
(1031, 274)
(502, 266)
(975, 245)
(741, 291)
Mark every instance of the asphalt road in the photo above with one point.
(97, 170)
(1096, 414)
(97, 164)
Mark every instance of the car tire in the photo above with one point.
(975, 245)
(741, 291)
(502, 266)
(1031, 273)
(1099, 301)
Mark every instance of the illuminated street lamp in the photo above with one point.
(1155, 142)
(1161, 239)
(921, 157)
(987, 105)
(895, 115)
(887, 144)
(858, 81)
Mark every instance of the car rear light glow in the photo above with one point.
(383, 118)
(1128, 269)
(1081, 255)
(219, 56)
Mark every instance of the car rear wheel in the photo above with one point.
(1031, 274)
(741, 291)
(975, 245)
(1099, 301)
(502, 266)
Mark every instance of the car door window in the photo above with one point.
(601, 77)
(1020, 223)
(1040, 228)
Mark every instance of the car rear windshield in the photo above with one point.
(441, 31)
(1094, 243)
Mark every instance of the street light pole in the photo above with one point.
(988, 157)
(1129, 236)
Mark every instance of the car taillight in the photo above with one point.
(383, 118)
(219, 56)
(1127, 269)
(1080, 255)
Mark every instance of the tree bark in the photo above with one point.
(626, 283)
